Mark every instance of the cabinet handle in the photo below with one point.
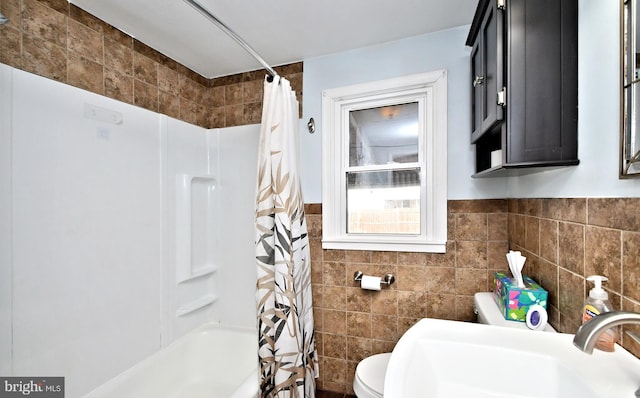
(478, 81)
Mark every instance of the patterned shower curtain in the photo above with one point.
(287, 353)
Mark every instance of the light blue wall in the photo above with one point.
(597, 174)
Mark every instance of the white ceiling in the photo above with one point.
(281, 31)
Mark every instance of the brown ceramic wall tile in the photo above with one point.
(44, 58)
(85, 41)
(334, 298)
(168, 80)
(496, 255)
(10, 46)
(471, 254)
(631, 265)
(190, 111)
(11, 9)
(86, 19)
(358, 300)
(531, 207)
(384, 327)
(253, 113)
(619, 213)
(442, 285)
(118, 86)
(464, 308)
(46, 37)
(44, 22)
(358, 348)
(169, 104)
(547, 276)
(216, 118)
(498, 226)
(58, 5)
(549, 240)
(412, 278)
(145, 69)
(333, 273)
(335, 346)
(447, 259)
(85, 73)
(571, 247)
(603, 256)
(517, 229)
(233, 94)
(358, 324)
(118, 57)
(334, 321)
(532, 234)
(385, 302)
(570, 299)
(386, 258)
(470, 281)
(145, 95)
(571, 210)
(234, 115)
(477, 206)
(441, 306)
(471, 226)
(253, 91)
(412, 304)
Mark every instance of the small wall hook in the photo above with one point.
(311, 125)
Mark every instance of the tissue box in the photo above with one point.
(514, 301)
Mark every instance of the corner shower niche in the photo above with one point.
(195, 232)
(191, 235)
(194, 212)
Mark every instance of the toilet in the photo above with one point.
(369, 378)
(486, 309)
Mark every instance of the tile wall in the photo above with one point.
(564, 240)
(60, 41)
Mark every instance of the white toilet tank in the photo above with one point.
(488, 313)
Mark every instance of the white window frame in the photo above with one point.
(430, 91)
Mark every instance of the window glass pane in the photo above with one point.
(383, 202)
(383, 135)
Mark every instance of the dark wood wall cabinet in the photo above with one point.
(524, 82)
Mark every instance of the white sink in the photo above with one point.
(447, 359)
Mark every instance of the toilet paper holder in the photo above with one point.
(388, 279)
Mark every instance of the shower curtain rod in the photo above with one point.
(232, 34)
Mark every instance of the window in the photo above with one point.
(384, 179)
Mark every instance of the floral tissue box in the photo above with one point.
(514, 301)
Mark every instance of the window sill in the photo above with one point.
(418, 247)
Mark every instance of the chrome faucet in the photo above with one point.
(587, 334)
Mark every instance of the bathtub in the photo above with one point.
(213, 361)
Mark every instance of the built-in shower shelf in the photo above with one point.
(196, 305)
(199, 273)
(195, 226)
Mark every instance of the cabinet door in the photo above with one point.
(542, 83)
(477, 91)
(487, 72)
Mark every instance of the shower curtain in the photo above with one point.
(287, 353)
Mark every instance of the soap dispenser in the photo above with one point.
(598, 303)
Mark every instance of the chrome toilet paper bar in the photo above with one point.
(388, 279)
